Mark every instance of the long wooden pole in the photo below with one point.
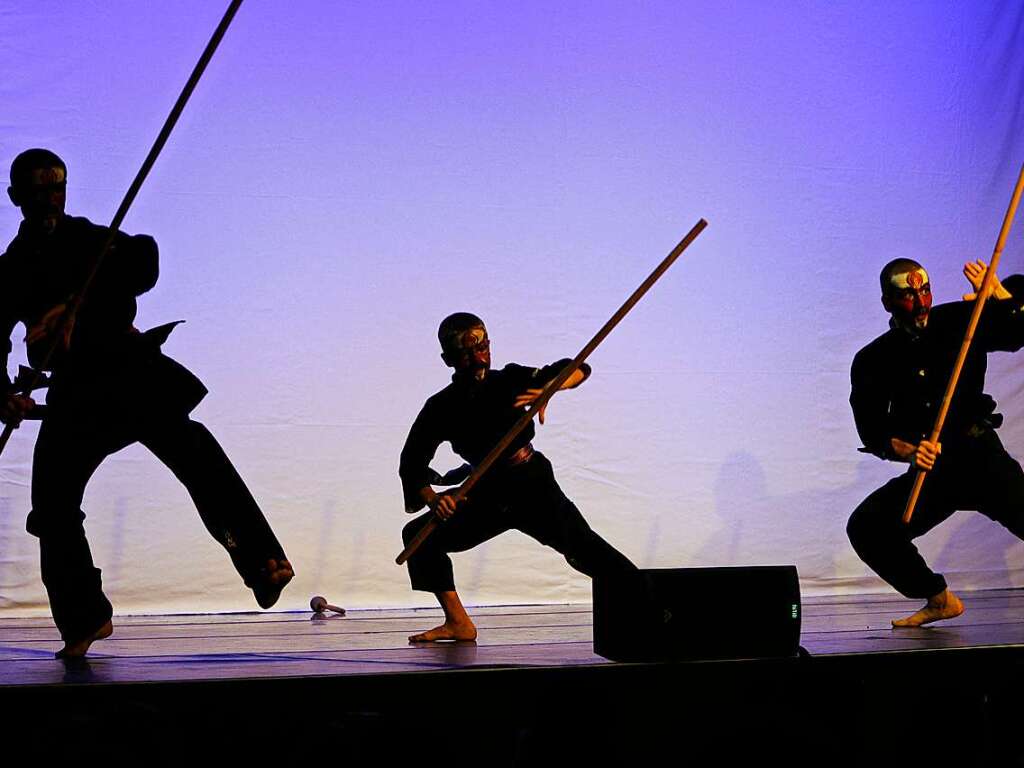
(554, 385)
(179, 106)
(972, 325)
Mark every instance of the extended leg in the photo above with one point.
(997, 485)
(224, 503)
(544, 512)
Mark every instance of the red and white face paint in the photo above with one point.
(471, 350)
(909, 297)
(472, 338)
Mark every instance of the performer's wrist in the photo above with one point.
(428, 496)
(901, 450)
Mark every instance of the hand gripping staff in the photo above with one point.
(553, 386)
(76, 301)
(972, 325)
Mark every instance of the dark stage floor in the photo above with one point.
(531, 690)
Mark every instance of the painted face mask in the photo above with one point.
(468, 349)
(910, 297)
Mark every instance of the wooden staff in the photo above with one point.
(76, 301)
(979, 305)
(554, 385)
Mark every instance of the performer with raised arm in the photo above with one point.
(473, 413)
(111, 387)
(898, 382)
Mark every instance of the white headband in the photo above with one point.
(913, 278)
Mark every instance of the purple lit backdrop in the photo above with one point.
(347, 174)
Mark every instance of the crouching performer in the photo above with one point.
(898, 381)
(473, 414)
(111, 387)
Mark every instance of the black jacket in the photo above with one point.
(109, 360)
(898, 380)
(473, 416)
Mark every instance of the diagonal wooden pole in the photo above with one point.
(553, 386)
(179, 106)
(972, 325)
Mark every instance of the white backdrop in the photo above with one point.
(349, 173)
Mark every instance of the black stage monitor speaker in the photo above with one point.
(673, 614)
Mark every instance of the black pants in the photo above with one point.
(970, 474)
(525, 498)
(67, 453)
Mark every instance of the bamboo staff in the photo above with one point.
(972, 325)
(76, 301)
(554, 385)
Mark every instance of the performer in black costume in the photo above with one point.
(898, 381)
(111, 386)
(473, 413)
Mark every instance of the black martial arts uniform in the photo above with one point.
(898, 381)
(518, 492)
(115, 387)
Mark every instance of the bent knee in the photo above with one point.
(412, 528)
(853, 526)
(860, 525)
(868, 526)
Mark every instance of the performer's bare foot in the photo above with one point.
(273, 579)
(463, 631)
(457, 624)
(79, 649)
(944, 605)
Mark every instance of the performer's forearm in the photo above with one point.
(427, 495)
(577, 377)
(902, 450)
(922, 455)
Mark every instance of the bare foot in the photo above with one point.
(79, 649)
(447, 631)
(944, 605)
(273, 579)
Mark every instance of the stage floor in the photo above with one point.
(287, 688)
(262, 645)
